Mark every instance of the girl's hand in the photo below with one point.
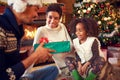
(79, 69)
(84, 67)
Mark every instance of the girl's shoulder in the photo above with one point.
(92, 38)
(75, 40)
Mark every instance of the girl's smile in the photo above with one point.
(81, 32)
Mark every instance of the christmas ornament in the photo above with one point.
(109, 35)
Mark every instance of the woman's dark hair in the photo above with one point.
(90, 26)
(54, 7)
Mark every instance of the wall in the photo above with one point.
(68, 4)
(69, 9)
(3, 0)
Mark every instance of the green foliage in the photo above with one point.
(106, 16)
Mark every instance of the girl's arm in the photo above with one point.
(77, 57)
(95, 51)
(79, 68)
(78, 63)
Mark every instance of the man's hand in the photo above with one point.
(43, 53)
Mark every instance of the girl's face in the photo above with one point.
(52, 19)
(81, 32)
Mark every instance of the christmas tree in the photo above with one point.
(107, 17)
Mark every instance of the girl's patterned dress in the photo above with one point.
(89, 51)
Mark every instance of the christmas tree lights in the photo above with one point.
(106, 16)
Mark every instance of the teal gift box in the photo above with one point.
(59, 47)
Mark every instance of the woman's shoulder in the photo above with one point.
(41, 28)
(62, 25)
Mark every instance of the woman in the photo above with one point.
(54, 31)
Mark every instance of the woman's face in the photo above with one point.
(52, 19)
(81, 32)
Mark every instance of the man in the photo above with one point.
(12, 67)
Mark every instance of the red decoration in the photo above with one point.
(117, 45)
(102, 5)
(64, 79)
(87, 5)
(43, 39)
(88, 12)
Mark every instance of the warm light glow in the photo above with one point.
(29, 32)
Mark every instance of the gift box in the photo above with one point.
(59, 47)
(114, 55)
(113, 51)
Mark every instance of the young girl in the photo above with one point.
(87, 46)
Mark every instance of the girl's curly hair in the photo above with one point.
(90, 26)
